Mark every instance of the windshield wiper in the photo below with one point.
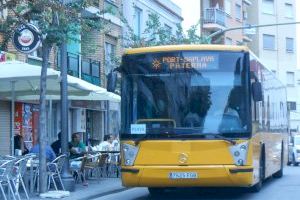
(146, 136)
(138, 140)
(219, 136)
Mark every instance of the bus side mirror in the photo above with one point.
(257, 91)
(112, 81)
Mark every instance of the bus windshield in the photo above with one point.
(185, 92)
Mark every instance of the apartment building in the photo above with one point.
(276, 46)
(222, 14)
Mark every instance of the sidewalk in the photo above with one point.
(95, 189)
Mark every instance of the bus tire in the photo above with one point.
(257, 187)
(279, 174)
(155, 192)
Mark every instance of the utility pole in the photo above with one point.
(68, 180)
(208, 38)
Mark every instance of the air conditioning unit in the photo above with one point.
(79, 120)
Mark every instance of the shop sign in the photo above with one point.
(26, 38)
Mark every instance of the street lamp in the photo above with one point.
(68, 180)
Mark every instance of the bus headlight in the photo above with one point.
(129, 153)
(239, 153)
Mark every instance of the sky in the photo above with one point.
(191, 14)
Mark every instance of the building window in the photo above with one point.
(96, 69)
(292, 105)
(228, 41)
(112, 7)
(289, 10)
(228, 7)
(238, 12)
(268, 42)
(289, 45)
(137, 21)
(268, 6)
(290, 78)
(110, 52)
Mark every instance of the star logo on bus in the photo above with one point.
(183, 158)
(156, 64)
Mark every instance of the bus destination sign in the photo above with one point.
(199, 62)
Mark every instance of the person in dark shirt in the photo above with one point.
(56, 146)
(19, 144)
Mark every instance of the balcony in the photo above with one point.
(214, 19)
(90, 69)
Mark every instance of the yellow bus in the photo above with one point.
(200, 116)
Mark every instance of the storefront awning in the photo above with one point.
(93, 96)
(26, 80)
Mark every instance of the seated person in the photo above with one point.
(19, 145)
(76, 147)
(56, 146)
(50, 155)
(106, 145)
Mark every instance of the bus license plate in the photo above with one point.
(183, 175)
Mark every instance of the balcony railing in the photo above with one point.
(90, 69)
(214, 16)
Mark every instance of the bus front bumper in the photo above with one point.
(207, 176)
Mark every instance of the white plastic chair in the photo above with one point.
(6, 175)
(21, 166)
(54, 170)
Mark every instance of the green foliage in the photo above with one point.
(155, 34)
(53, 18)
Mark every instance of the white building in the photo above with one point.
(276, 46)
(137, 13)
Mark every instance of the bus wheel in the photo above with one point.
(280, 172)
(257, 187)
(155, 192)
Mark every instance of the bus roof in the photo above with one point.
(208, 47)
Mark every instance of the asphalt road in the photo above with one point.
(285, 188)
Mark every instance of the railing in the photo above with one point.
(214, 16)
(90, 69)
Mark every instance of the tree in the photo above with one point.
(55, 20)
(155, 34)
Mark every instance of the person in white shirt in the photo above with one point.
(116, 143)
(106, 145)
